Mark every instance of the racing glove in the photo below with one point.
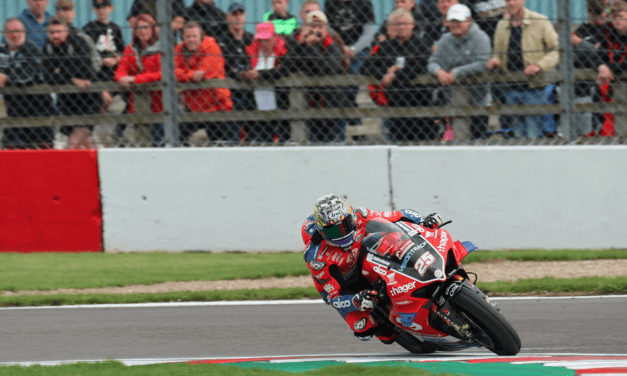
(433, 220)
(365, 299)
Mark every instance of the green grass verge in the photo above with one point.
(546, 255)
(93, 270)
(51, 271)
(587, 285)
(113, 368)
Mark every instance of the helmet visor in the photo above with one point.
(340, 233)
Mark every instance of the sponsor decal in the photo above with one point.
(412, 214)
(372, 258)
(424, 262)
(360, 325)
(391, 278)
(404, 302)
(316, 265)
(452, 289)
(380, 270)
(443, 241)
(341, 304)
(318, 276)
(388, 214)
(403, 249)
(336, 256)
(364, 272)
(430, 234)
(402, 289)
(410, 230)
(438, 273)
(410, 254)
(328, 288)
(359, 237)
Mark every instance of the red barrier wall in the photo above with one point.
(50, 201)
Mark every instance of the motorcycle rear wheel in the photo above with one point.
(491, 328)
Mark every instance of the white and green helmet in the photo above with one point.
(335, 220)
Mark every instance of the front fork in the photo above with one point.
(441, 308)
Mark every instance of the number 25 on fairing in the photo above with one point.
(423, 263)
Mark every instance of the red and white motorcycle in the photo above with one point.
(424, 293)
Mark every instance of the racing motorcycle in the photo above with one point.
(426, 296)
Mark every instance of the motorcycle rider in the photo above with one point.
(333, 237)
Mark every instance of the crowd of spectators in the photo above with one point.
(449, 39)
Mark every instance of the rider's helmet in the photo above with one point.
(335, 220)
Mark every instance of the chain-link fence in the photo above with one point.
(329, 75)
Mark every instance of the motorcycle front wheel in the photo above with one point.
(487, 323)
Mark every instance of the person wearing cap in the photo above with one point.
(526, 41)
(199, 58)
(612, 59)
(266, 52)
(463, 52)
(67, 61)
(315, 53)
(107, 36)
(396, 63)
(233, 44)
(35, 19)
(150, 7)
(21, 67)
(209, 16)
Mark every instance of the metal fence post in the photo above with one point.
(170, 96)
(567, 57)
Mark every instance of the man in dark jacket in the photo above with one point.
(209, 16)
(20, 66)
(233, 44)
(315, 53)
(397, 62)
(67, 61)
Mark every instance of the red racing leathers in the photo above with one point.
(337, 272)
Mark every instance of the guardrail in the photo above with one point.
(298, 83)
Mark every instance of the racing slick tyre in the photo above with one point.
(487, 323)
(413, 344)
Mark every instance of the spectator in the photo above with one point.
(463, 52)
(66, 13)
(234, 43)
(587, 39)
(108, 38)
(437, 27)
(354, 21)
(67, 61)
(265, 54)
(309, 6)
(611, 58)
(314, 52)
(284, 22)
(397, 62)
(141, 64)
(526, 41)
(35, 20)
(408, 5)
(196, 59)
(150, 7)
(20, 66)
(210, 17)
(109, 43)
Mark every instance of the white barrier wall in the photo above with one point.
(254, 199)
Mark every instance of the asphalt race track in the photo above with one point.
(581, 325)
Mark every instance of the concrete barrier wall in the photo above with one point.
(254, 199)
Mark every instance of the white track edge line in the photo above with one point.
(276, 302)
